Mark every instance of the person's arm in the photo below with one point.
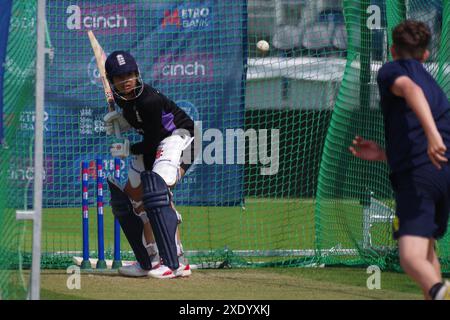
(367, 150)
(406, 88)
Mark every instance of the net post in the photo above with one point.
(35, 279)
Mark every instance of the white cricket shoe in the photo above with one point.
(133, 270)
(184, 270)
(164, 272)
(444, 292)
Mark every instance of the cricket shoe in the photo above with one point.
(184, 270)
(164, 272)
(184, 267)
(444, 292)
(133, 270)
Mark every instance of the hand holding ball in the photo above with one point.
(263, 46)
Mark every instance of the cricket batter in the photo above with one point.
(144, 207)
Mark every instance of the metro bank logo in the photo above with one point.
(187, 18)
(109, 19)
(194, 67)
(171, 18)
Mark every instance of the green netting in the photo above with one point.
(345, 183)
(316, 86)
(16, 167)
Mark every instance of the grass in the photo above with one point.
(264, 224)
(231, 284)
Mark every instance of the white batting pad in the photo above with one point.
(168, 157)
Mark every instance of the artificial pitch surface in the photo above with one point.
(235, 284)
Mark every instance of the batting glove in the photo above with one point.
(120, 149)
(109, 119)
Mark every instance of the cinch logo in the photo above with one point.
(189, 68)
(103, 19)
(188, 18)
(22, 171)
(178, 69)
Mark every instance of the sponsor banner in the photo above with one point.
(191, 51)
(196, 67)
(188, 16)
(102, 19)
(5, 16)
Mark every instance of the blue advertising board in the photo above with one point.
(192, 51)
(5, 17)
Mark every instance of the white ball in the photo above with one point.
(263, 45)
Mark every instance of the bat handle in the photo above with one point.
(116, 125)
(117, 129)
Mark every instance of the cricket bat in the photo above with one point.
(100, 57)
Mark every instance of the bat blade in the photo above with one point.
(100, 58)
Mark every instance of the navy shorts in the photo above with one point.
(422, 201)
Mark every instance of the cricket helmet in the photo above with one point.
(119, 63)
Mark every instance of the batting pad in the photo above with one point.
(163, 218)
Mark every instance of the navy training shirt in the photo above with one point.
(155, 117)
(406, 143)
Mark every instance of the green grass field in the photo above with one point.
(264, 224)
(235, 284)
